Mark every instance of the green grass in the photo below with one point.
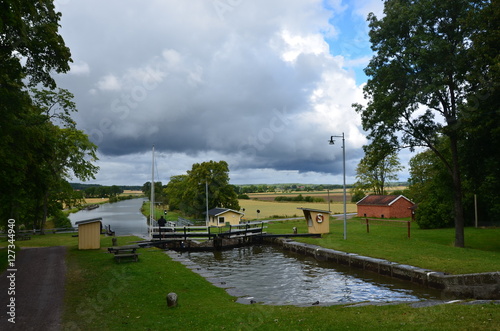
(104, 295)
(432, 249)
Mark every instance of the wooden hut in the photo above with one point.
(318, 221)
(89, 233)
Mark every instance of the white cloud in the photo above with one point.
(80, 68)
(295, 45)
(109, 83)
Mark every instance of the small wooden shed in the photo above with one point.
(89, 233)
(318, 221)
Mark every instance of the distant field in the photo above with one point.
(269, 209)
(131, 192)
(336, 195)
(96, 200)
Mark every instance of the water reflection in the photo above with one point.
(273, 276)
(124, 217)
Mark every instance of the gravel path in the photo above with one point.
(39, 290)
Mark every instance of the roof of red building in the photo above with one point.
(381, 200)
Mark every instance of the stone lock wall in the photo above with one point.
(484, 286)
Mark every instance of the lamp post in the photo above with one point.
(206, 199)
(343, 158)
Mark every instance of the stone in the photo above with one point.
(171, 299)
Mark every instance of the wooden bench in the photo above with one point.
(125, 252)
(134, 256)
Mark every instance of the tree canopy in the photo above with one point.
(188, 192)
(420, 79)
(376, 169)
(40, 147)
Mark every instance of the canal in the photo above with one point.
(124, 217)
(267, 274)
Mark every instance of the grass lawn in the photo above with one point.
(104, 295)
(432, 249)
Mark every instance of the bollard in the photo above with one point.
(171, 300)
(113, 240)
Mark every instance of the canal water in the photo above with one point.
(124, 217)
(270, 275)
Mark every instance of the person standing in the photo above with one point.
(161, 223)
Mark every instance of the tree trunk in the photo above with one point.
(45, 210)
(457, 194)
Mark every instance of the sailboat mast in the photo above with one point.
(152, 206)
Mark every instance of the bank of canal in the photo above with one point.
(270, 275)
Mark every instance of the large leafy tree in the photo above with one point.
(39, 144)
(188, 192)
(30, 44)
(418, 85)
(481, 120)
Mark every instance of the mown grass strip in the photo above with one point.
(431, 249)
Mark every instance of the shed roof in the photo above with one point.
(381, 200)
(92, 220)
(220, 211)
(316, 210)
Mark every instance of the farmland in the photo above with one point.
(264, 202)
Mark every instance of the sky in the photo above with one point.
(259, 84)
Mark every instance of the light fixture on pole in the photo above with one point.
(343, 158)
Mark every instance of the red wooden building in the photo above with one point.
(385, 206)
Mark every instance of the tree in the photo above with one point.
(30, 45)
(174, 192)
(481, 119)
(430, 187)
(213, 176)
(31, 49)
(423, 54)
(376, 169)
(65, 150)
(159, 194)
(188, 192)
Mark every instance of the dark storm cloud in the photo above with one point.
(254, 83)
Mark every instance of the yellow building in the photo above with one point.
(223, 216)
(318, 221)
(89, 233)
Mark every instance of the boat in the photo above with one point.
(92, 207)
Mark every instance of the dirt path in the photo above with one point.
(39, 290)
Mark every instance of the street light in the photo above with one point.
(343, 158)
(206, 202)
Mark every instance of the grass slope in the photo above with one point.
(104, 295)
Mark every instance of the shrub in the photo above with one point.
(61, 220)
